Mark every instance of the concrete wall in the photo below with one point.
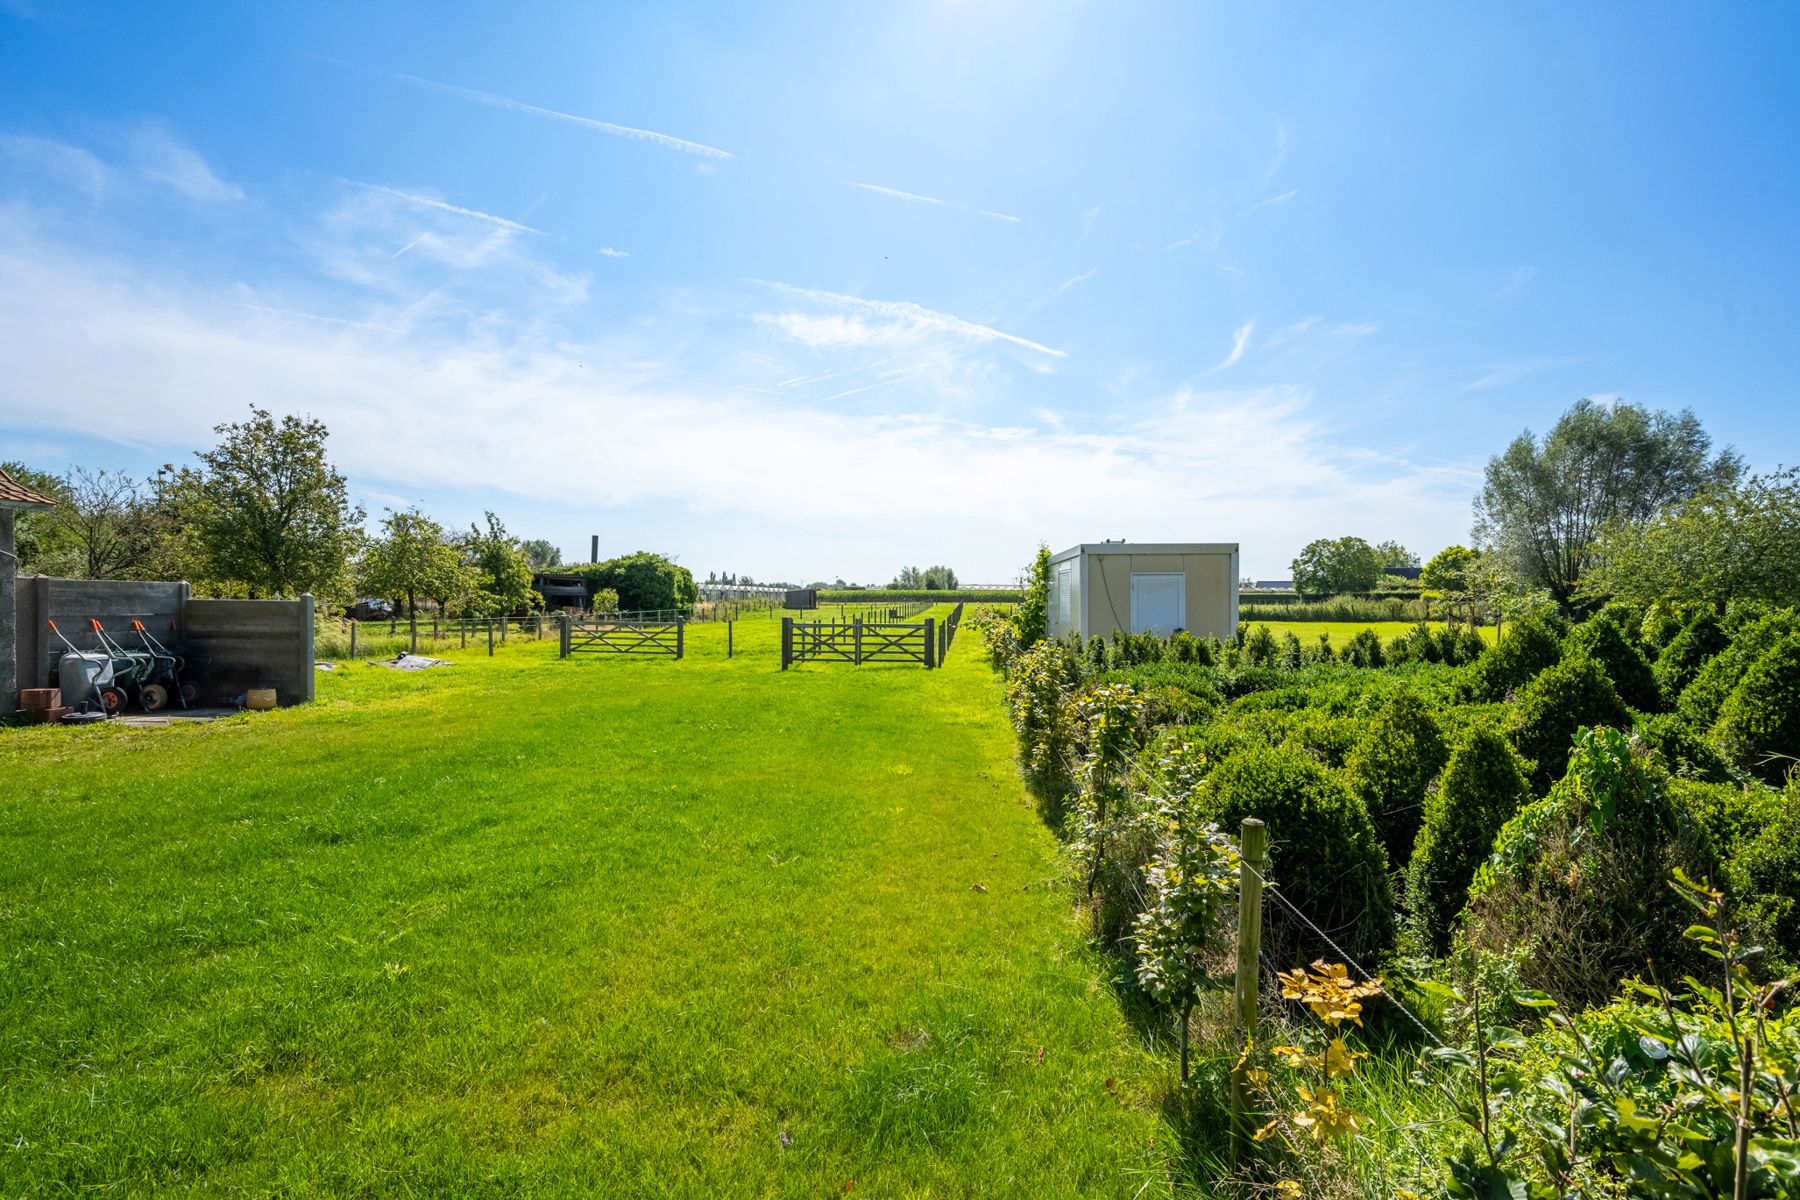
(115, 603)
(9, 630)
(236, 645)
(231, 645)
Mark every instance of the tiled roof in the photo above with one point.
(17, 495)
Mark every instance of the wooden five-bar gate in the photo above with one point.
(623, 637)
(859, 642)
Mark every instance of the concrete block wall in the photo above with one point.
(236, 645)
(232, 645)
(115, 603)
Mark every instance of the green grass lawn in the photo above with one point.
(522, 927)
(1342, 631)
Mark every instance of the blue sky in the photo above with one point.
(821, 290)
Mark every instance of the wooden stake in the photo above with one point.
(1253, 845)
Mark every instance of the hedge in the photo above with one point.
(1552, 708)
(1527, 648)
(1325, 854)
(943, 596)
(1759, 724)
(1699, 640)
(1602, 640)
(1391, 768)
(1482, 787)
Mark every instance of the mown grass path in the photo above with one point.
(521, 927)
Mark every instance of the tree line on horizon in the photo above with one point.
(264, 514)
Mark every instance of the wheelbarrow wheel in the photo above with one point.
(112, 699)
(189, 693)
(154, 697)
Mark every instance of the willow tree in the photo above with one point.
(1545, 504)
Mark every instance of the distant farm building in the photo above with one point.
(1098, 589)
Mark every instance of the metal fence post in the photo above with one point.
(1253, 843)
(930, 644)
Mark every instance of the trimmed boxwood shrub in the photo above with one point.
(1660, 626)
(1680, 660)
(1577, 889)
(1681, 751)
(1417, 644)
(1702, 700)
(1482, 786)
(1759, 725)
(1325, 855)
(1551, 709)
(1765, 872)
(1364, 650)
(1328, 738)
(1602, 640)
(1530, 646)
(1391, 768)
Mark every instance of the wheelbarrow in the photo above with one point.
(86, 678)
(164, 680)
(131, 668)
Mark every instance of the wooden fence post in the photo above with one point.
(787, 642)
(490, 626)
(930, 644)
(462, 629)
(564, 637)
(728, 638)
(680, 637)
(856, 640)
(415, 633)
(1252, 847)
(504, 622)
(352, 637)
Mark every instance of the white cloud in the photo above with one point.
(444, 206)
(70, 166)
(161, 158)
(494, 100)
(1240, 342)
(1520, 278)
(1072, 280)
(899, 321)
(158, 359)
(610, 252)
(1271, 202)
(896, 194)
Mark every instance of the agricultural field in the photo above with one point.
(520, 926)
(1341, 632)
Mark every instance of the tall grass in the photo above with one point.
(1338, 608)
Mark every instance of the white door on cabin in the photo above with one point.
(1158, 603)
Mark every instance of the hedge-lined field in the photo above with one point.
(589, 928)
(1507, 824)
(953, 596)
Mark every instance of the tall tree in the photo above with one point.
(938, 579)
(106, 519)
(1392, 554)
(1544, 504)
(909, 577)
(504, 575)
(413, 558)
(541, 553)
(1328, 566)
(1451, 576)
(39, 539)
(1722, 544)
(268, 510)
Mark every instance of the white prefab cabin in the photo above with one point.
(1098, 589)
